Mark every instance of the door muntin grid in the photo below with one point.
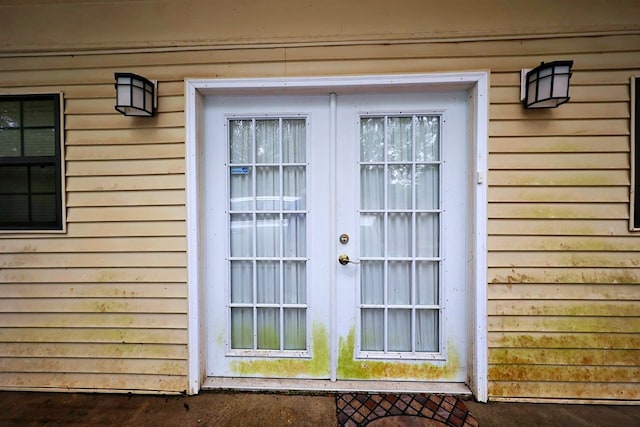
(400, 215)
(267, 218)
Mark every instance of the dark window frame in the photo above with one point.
(56, 160)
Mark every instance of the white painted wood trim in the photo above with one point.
(479, 336)
(193, 110)
(195, 89)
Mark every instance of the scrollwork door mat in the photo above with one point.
(360, 409)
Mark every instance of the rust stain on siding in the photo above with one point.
(566, 390)
(590, 260)
(585, 357)
(514, 277)
(564, 373)
(601, 341)
(567, 275)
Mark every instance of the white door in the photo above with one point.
(402, 195)
(267, 255)
(279, 303)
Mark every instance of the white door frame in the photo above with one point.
(477, 86)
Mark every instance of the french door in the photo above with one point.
(336, 233)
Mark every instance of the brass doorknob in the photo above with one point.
(344, 259)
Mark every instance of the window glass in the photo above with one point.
(30, 163)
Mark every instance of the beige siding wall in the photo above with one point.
(104, 305)
(564, 282)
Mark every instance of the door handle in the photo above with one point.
(344, 260)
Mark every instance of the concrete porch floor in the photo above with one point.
(271, 409)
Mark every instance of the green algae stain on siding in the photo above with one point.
(317, 366)
(569, 340)
(349, 368)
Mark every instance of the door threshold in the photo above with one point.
(308, 385)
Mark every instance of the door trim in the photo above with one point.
(477, 86)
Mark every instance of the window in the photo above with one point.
(635, 154)
(30, 163)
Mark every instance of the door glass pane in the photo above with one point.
(428, 234)
(427, 330)
(295, 329)
(399, 282)
(399, 214)
(241, 281)
(427, 138)
(268, 235)
(372, 187)
(267, 141)
(267, 188)
(400, 235)
(241, 141)
(294, 140)
(372, 235)
(295, 235)
(295, 187)
(399, 330)
(268, 282)
(295, 282)
(427, 187)
(372, 329)
(427, 280)
(400, 187)
(372, 139)
(241, 327)
(372, 282)
(241, 188)
(268, 328)
(400, 137)
(241, 235)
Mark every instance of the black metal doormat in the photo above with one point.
(360, 409)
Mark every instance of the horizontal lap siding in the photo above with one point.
(564, 271)
(563, 274)
(103, 306)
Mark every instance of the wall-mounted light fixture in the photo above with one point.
(135, 95)
(547, 85)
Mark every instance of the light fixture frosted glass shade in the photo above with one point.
(135, 95)
(547, 85)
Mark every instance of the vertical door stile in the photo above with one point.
(414, 227)
(333, 253)
(254, 235)
(281, 236)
